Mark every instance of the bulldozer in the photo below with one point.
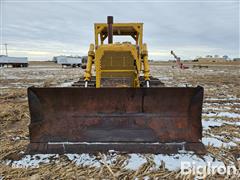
(119, 106)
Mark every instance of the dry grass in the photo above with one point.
(14, 120)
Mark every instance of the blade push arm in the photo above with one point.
(145, 64)
(91, 55)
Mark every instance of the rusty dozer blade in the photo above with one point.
(140, 120)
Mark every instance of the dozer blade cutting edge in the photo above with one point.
(140, 120)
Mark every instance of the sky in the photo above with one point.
(41, 29)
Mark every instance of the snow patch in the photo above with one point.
(237, 140)
(223, 99)
(83, 160)
(216, 142)
(135, 161)
(220, 104)
(217, 123)
(66, 84)
(207, 124)
(223, 114)
(33, 161)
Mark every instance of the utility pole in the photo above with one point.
(6, 49)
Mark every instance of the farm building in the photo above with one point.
(210, 59)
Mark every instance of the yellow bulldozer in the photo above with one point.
(120, 107)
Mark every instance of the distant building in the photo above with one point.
(208, 56)
(208, 59)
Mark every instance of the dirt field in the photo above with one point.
(221, 125)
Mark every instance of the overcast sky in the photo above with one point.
(43, 29)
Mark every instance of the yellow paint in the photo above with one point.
(91, 55)
(122, 61)
(145, 63)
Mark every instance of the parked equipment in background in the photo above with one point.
(84, 62)
(122, 108)
(178, 61)
(68, 61)
(13, 61)
(6, 60)
(199, 66)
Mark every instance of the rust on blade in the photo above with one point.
(114, 115)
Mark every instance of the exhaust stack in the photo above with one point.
(110, 29)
